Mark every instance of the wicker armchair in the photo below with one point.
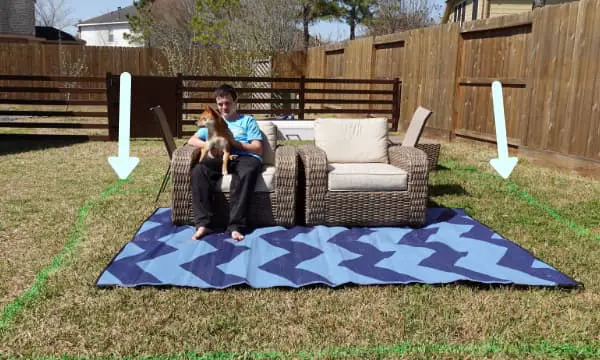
(274, 199)
(353, 177)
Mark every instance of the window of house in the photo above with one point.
(111, 35)
(459, 12)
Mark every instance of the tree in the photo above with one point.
(313, 10)
(165, 25)
(212, 19)
(192, 33)
(356, 12)
(265, 26)
(141, 23)
(399, 15)
(53, 13)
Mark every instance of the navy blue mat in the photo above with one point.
(451, 247)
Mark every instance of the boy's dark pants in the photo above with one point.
(244, 171)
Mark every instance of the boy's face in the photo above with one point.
(226, 105)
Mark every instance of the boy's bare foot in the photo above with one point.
(237, 236)
(200, 232)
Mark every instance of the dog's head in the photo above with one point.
(209, 115)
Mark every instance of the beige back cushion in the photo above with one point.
(416, 127)
(353, 140)
(269, 132)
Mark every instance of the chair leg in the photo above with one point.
(164, 183)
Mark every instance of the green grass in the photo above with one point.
(64, 215)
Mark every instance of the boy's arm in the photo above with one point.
(255, 139)
(195, 140)
(255, 146)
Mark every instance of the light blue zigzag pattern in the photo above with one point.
(437, 253)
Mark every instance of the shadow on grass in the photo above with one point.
(446, 189)
(15, 143)
(315, 286)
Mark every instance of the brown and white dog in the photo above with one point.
(220, 138)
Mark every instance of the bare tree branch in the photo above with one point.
(53, 13)
(266, 26)
(400, 15)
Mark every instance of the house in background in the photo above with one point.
(52, 35)
(17, 25)
(460, 11)
(108, 29)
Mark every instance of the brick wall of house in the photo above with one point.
(17, 17)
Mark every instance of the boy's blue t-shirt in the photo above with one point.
(244, 129)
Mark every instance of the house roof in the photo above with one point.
(52, 33)
(119, 15)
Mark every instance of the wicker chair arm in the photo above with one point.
(408, 158)
(314, 166)
(184, 158)
(415, 163)
(286, 166)
(182, 162)
(286, 184)
(314, 161)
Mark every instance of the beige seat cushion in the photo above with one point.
(269, 132)
(264, 182)
(366, 177)
(353, 140)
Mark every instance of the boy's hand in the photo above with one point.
(238, 145)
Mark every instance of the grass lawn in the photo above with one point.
(64, 215)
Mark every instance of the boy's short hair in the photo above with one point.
(225, 90)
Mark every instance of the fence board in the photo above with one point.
(548, 77)
(358, 65)
(388, 58)
(581, 132)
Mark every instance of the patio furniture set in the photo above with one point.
(351, 176)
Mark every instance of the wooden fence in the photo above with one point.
(43, 97)
(65, 60)
(300, 96)
(181, 96)
(547, 61)
(75, 60)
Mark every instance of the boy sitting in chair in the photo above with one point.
(244, 169)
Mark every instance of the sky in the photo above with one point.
(83, 10)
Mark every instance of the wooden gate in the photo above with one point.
(146, 92)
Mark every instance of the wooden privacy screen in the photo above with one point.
(303, 97)
(25, 96)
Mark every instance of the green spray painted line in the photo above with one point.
(488, 348)
(525, 196)
(11, 309)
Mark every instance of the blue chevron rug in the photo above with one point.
(450, 247)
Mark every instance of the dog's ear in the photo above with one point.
(214, 112)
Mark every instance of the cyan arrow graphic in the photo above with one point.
(122, 164)
(504, 164)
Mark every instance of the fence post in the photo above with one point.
(179, 106)
(301, 98)
(112, 108)
(396, 104)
